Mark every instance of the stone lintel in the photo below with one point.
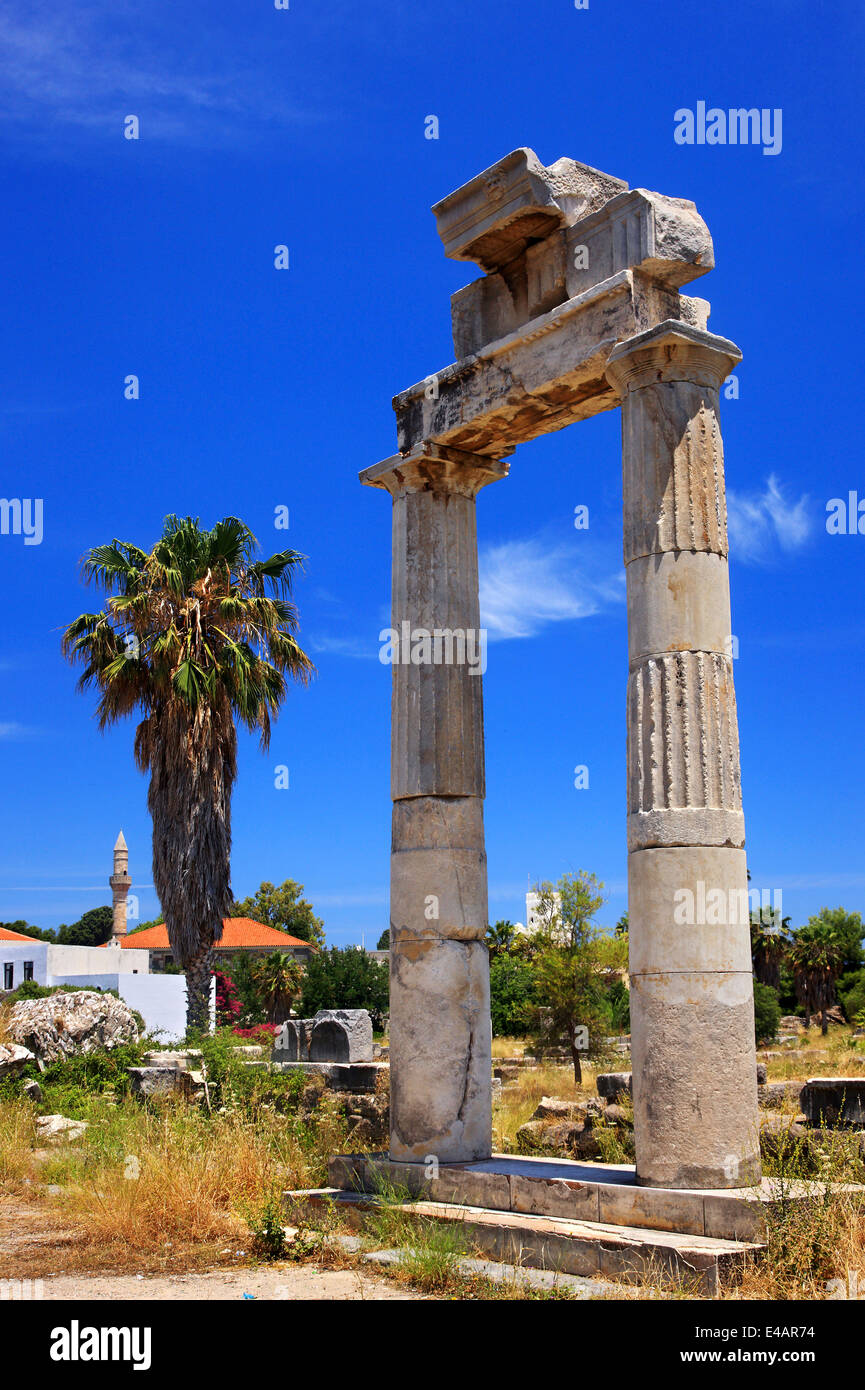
(672, 351)
(493, 218)
(548, 374)
(431, 467)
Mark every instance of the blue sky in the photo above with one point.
(262, 388)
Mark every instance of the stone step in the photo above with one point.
(584, 1248)
(604, 1193)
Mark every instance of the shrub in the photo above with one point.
(767, 1012)
(852, 992)
(228, 1005)
(512, 996)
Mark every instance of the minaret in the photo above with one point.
(120, 884)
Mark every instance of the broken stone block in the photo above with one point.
(614, 1084)
(291, 1043)
(496, 215)
(780, 1095)
(57, 1129)
(341, 1035)
(161, 1081)
(550, 1108)
(13, 1059)
(836, 1101)
(183, 1061)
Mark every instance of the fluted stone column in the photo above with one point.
(440, 1052)
(692, 1026)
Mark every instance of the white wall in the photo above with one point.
(97, 960)
(52, 964)
(160, 999)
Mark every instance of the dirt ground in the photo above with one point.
(30, 1237)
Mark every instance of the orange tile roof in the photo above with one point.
(6, 935)
(237, 933)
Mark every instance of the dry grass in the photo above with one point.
(520, 1098)
(836, 1054)
(162, 1187)
(17, 1141)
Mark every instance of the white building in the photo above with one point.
(160, 999)
(533, 921)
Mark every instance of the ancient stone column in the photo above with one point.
(692, 1024)
(440, 1052)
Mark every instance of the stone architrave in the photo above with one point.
(578, 311)
(440, 1044)
(692, 1018)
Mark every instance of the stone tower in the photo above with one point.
(120, 883)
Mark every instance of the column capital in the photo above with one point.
(673, 351)
(431, 467)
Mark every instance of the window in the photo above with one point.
(28, 970)
(8, 971)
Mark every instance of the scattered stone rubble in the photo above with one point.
(13, 1059)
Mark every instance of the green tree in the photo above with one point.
(816, 958)
(195, 634)
(284, 909)
(384, 940)
(278, 982)
(853, 994)
(27, 929)
(575, 963)
(345, 978)
(767, 1012)
(93, 928)
(500, 938)
(513, 996)
(145, 926)
(846, 929)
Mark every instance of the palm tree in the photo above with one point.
(278, 979)
(769, 946)
(500, 938)
(196, 634)
(815, 958)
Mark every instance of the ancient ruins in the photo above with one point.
(579, 310)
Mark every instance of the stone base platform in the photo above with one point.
(583, 1248)
(605, 1192)
(339, 1076)
(585, 1219)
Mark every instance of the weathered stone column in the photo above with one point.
(440, 1053)
(692, 1025)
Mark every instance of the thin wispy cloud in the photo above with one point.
(11, 731)
(527, 585)
(358, 648)
(379, 899)
(761, 523)
(88, 65)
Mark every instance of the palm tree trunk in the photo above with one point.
(198, 974)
